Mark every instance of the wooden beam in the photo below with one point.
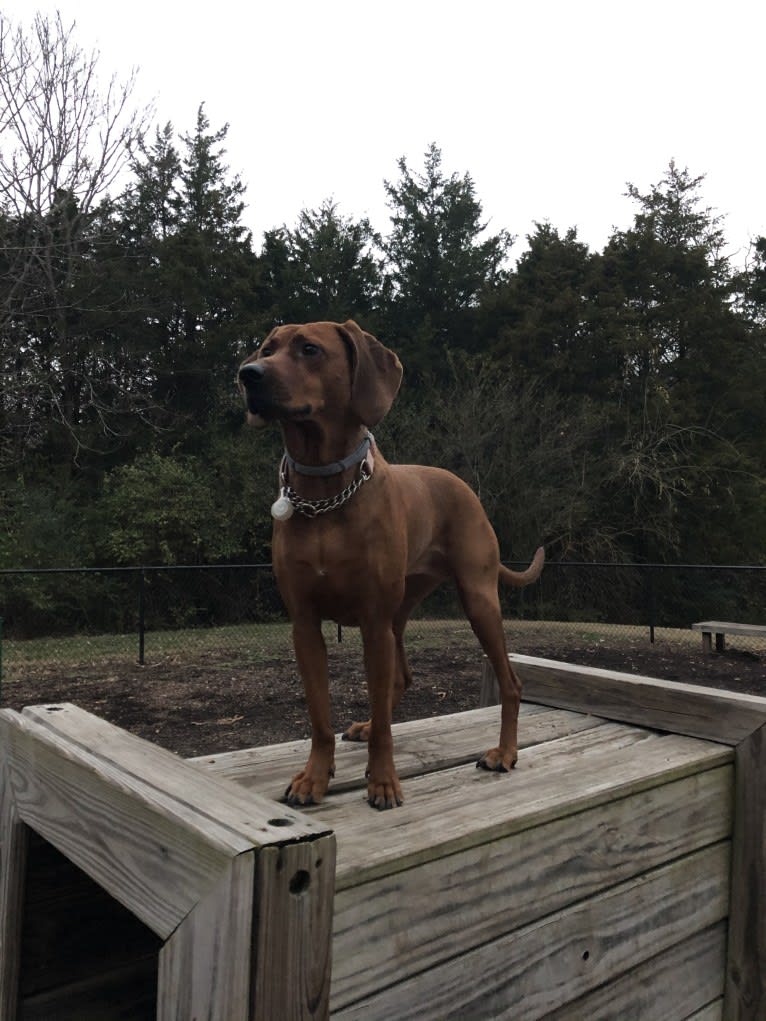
(183, 851)
(205, 966)
(583, 946)
(745, 997)
(687, 977)
(13, 856)
(420, 746)
(520, 879)
(723, 716)
(295, 897)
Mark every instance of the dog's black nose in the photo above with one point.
(251, 373)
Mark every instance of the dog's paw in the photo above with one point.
(496, 762)
(357, 732)
(385, 793)
(307, 788)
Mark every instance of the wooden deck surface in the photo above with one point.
(608, 845)
(617, 874)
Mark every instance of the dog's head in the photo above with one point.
(301, 373)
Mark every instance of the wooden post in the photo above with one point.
(13, 849)
(745, 993)
(238, 888)
(723, 716)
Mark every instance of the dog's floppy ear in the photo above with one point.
(376, 373)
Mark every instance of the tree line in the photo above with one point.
(609, 404)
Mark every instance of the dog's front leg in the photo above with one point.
(383, 787)
(310, 785)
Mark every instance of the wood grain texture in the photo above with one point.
(180, 848)
(745, 998)
(420, 746)
(538, 969)
(452, 810)
(205, 966)
(151, 830)
(172, 778)
(293, 952)
(501, 886)
(708, 713)
(686, 978)
(128, 840)
(13, 854)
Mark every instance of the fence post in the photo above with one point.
(1, 655)
(141, 616)
(650, 602)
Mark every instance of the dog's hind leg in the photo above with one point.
(482, 607)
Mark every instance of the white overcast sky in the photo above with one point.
(550, 105)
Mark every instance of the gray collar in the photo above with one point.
(334, 467)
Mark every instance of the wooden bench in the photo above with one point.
(617, 873)
(721, 628)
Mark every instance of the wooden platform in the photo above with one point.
(617, 873)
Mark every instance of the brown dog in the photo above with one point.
(362, 542)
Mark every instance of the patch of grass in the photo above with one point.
(258, 642)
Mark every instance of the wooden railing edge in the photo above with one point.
(243, 903)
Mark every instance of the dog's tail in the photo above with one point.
(518, 579)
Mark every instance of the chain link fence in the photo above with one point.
(70, 620)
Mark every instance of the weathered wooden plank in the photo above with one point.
(147, 833)
(170, 777)
(179, 849)
(745, 997)
(13, 854)
(151, 862)
(205, 966)
(420, 746)
(293, 951)
(454, 809)
(504, 885)
(683, 979)
(538, 969)
(687, 709)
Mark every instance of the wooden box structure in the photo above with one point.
(618, 873)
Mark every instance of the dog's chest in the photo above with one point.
(334, 566)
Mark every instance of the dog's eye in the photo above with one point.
(266, 351)
(310, 350)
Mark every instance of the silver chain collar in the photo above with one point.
(313, 508)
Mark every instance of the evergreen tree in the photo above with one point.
(545, 319)
(439, 262)
(197, 274)
(324, 268)
(687, 366)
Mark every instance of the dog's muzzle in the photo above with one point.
(258, 394)
(266, 396)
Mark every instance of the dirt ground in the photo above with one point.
(214, 704)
